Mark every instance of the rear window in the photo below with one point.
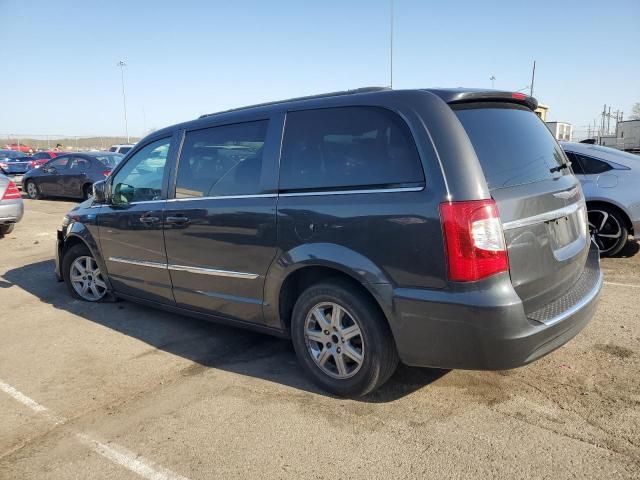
(348, 147)
(109, 160)
(513, 145)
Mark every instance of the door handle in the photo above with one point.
(149, 220)
(177, 220)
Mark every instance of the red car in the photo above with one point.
(40, 158)
(20, 147)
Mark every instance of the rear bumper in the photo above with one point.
(488, 329)
(11, 211)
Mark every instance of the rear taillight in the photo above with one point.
(474, 240)
(32, 164)
(106, 173)
(12, 192)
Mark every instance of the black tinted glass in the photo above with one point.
(220, 161)
(348, 147)
(575, 163)
(513, 145)
(591, 166)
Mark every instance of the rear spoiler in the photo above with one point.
(457, 96)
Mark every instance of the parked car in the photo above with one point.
(121, 148)
(14, 164)
(40, 158)
(442, 228)
(69, 175)
(19, 147)
(11, 208)
(610, 180)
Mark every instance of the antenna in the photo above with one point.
(533, 78)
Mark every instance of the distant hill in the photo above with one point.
(72, 143)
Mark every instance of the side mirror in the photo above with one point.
(100, 192)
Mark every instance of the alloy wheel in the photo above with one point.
(32, 190)
(86, 279)
(605, 230)
(334, 340)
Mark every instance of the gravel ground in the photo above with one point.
(122, 391)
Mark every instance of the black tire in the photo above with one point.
(605, 220)
(7, 229)
(380, 358)
(87, 191)
(79, 250)
(34, 192)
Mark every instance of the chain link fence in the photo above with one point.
(72, 143)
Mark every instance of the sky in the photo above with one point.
(59, 74)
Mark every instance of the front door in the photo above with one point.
(130, 225)
(220, 229)
(50, 175)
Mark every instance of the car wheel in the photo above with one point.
(33, 192)
(82, 274)
(607, 229)
(87, 191)
(7, 229)
(342, 339)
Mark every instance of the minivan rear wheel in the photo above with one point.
(342, 340)
(608, 229)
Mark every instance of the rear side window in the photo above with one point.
(513, 145)
(348, 147)
(591, 166)
(222, 161)
(124, 150)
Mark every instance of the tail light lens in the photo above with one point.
(12, 192)
(474, 240)
(32, 164)
(106, 173)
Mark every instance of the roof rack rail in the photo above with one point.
(310, 97)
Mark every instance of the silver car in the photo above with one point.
(610, 180)
(11, 207)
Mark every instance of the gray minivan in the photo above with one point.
(438, 227)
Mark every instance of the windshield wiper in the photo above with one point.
(560, 167)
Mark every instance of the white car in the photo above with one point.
(121, 148)
(610, 181)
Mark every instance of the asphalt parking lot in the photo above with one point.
(117, 390)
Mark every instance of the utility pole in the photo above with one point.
(391, 45)
(493, 81)
(533, 77)
(122, 64)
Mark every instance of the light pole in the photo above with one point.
(493, 81)
(391, 45)
(122, 64)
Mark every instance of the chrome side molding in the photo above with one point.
(544, 217)
(186, 268)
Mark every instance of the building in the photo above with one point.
(561, 130)
(542, 111)
(627, 136)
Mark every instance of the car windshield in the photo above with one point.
(110, 160)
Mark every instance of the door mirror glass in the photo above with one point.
(99, 191)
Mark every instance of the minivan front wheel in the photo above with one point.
(342, 339)
(607, 229)
(82, 274)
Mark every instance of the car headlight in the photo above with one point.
(66, 221)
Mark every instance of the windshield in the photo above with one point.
(110, 160)
(513, 145)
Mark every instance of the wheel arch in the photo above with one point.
(80, 234)
(615, 206)
(299, 268)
